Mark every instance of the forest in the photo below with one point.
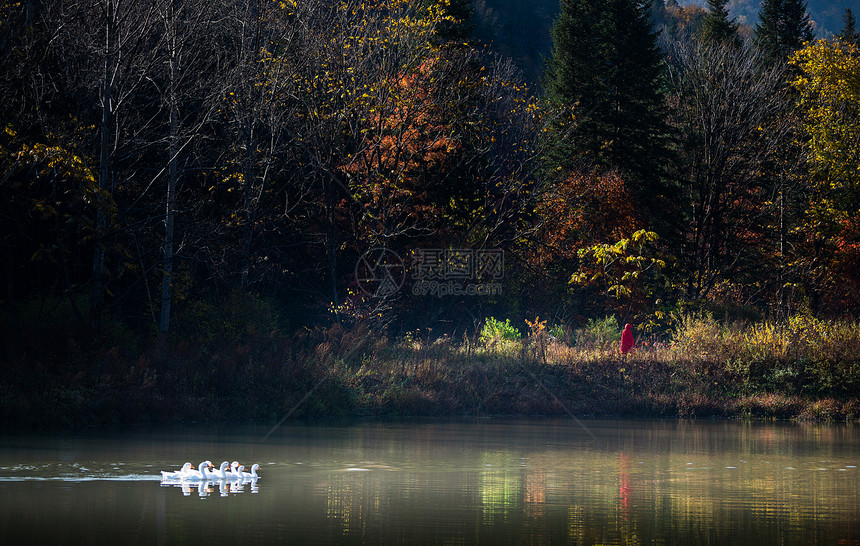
(521, 30)
(306, 208)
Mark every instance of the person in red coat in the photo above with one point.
(626, 340)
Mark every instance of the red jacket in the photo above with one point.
(626, 339)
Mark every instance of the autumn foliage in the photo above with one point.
(580, 210)
(404, 143)
(241, 146)
(829, 100)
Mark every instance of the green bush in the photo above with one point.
(599, 332)
(495, 330)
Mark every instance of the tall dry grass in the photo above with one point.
(803, 368)
(804, 355)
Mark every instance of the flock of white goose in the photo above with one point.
(204, 472)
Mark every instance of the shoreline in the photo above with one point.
(484, 386)
(706, 371)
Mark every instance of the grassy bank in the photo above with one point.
(802, 369)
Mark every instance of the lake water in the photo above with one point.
(522, 481)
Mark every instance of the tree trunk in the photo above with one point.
(172, 176)
(97, 288)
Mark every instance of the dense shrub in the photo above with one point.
(494, 331)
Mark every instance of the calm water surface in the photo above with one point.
(548, 481)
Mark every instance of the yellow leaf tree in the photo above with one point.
(619, 270)
(828, 87)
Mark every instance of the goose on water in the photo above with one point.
(201, 474)
(252, 475)
(204, 472)
(177, 475)
(222, 474)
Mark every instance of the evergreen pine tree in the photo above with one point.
(848, 33)
(605, 63)
(797, 28)
(767, 28)
(716, 26)
(782, 29)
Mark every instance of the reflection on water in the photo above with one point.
(457, 482)
(224, 488)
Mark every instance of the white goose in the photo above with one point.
(201, 474)
(221, 473)
(178, 474)
(208, 472)
(235, 472)
(252, 475)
